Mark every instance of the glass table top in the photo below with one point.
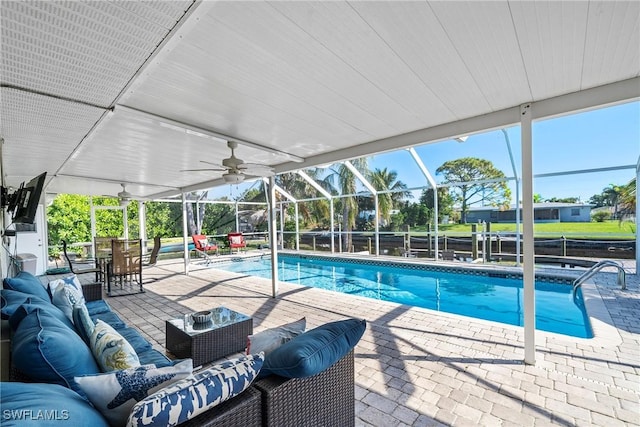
(220, 317)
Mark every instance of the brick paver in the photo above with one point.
(417, 367)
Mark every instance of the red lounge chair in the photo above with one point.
(236, 241)
(203, 246)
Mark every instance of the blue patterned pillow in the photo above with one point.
(83, 323)
(115, 393)
(188, 398)
(66, 293)
(270, 339)
(111, 350)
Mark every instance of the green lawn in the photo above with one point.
(598, 230)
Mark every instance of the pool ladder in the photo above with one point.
(622, 275)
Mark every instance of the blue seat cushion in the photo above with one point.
(134, 338)
(97, 307)
(28, 284)
(45, 350)
(154, 357)
(314, 351)
(110, 318)
(35, 401)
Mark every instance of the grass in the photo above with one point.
(578, 230)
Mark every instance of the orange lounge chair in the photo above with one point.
(236, 241)
(203, 246)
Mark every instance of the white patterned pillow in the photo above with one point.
(65, 293)
(190, 397)
(116, 392)
(111, 350)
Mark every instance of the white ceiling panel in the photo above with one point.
(319, 80)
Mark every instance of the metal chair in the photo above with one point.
(76, 269)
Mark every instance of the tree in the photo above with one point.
(562, 200)
(383, 180)
(465, 173)
(628, 198)
(445, 203)
(346, 183)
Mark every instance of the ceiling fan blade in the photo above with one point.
(204, 170)
(211, 163)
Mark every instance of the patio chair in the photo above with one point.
(236, 241)
(203, 246)
(90, 264)
(448, 255)
(125, 267)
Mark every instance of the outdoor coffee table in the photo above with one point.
(225, 334)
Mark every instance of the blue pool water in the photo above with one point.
(491, 298)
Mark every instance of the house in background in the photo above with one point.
(542, 212)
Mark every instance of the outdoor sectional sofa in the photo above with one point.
(319, 393)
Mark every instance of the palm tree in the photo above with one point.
(627, 198)
(385, 180)
(611, 196)
(346, 182)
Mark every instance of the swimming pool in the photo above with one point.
(478, 294)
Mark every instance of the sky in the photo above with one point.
(607, 137)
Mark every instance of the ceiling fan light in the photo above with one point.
(233, 178)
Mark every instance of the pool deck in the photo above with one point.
(418, 367)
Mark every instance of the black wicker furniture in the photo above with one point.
(225, 334)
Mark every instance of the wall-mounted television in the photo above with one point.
(24, 203)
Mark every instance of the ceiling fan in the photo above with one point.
(236, 170)
(124, 197)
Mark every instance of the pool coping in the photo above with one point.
(604, 331)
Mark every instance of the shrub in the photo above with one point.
(600, 216)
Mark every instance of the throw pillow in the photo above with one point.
(111, 350)
(204, 243)
(270, 339)
(82, 322)
(27, 283)
(190, 397)
(67, 293)
(42, 404)
(115, 393)
(314, 351)
(44, 349)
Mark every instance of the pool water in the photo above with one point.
(491, 298)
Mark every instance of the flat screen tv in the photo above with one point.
(27, 199)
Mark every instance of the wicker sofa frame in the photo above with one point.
(323, 400)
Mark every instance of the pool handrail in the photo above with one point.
(622, 278)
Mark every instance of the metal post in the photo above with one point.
(314, 243)
(377, 224)
(297, 227)
(564, 246)
(333, 249)
(474, 241)
(142, 223)
(237, 219)
(185, 231)
(369, 245)
(272, 236)
(488, 238)
(529, 248)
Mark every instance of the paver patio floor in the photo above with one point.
(418, 367)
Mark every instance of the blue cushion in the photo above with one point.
(46, 405)
(115, 393)
(134, 338)
(33, 303)
(11, 300)
(110, 318)
(111, 350)
(154, 357)
(97, 307)
(82, 322)
(28, 284)
(190, 397)
(45, 351)
(314, 351)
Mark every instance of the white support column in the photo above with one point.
(237, 219)
(93, 220)
(333, 234)
(125, 221)
(377, 223)
(272, 237)
(515, 175)
(142, 223)
(528, 245)
(297, 227)
(637, 218)
(185, 232)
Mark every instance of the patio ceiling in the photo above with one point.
(103, 93)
